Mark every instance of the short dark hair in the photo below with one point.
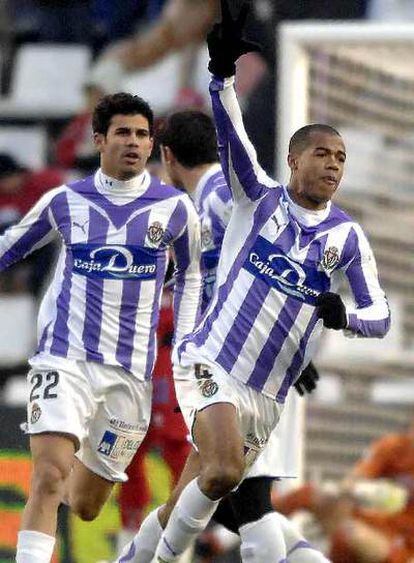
(301, 139)
(191, 136)
(120, 103)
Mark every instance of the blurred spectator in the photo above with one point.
(20, 188)
(75, 148)
(370, 518)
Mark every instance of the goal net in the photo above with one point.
(359, 78)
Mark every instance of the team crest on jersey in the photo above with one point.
(330, 258)
(155, 232)
(208, 387)
(35, 414)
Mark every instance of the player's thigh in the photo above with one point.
(209, 406)
(119, 426)
(217, 434)
(52, 452)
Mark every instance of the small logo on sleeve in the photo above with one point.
(330, 258)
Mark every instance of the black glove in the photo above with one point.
(226, 42)
(307, 380)
(331, 309)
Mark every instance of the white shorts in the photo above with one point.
(104, 407)
(258, 414)
(282, 455)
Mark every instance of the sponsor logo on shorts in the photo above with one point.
(208, 387)
(35, 414)
(118, 448)
(126, 426)
(252, 440)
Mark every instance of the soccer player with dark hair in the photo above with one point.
(90, 387)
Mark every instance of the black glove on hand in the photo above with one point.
(226, 42)
(331, 310)
(308, 380)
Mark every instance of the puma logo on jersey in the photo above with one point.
(81, 227)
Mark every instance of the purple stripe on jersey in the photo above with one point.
(240, 159)
(131, 289)
(161, 271)
(302, 544)
(97, 232)
(376, 329)
(249, 310)
(60, 336)
(31, 237)
(43, 338)
(130, 555)
(119, 214)
(296, 365)
(278, 334)
(264, 210)
(242, 324)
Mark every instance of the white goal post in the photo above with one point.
(384, 53)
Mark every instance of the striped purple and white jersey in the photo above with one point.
(262, 327)
(102, 304)
(212, 198)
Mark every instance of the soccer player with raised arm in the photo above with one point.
(90, 387)
(285, 251)
(189, 154)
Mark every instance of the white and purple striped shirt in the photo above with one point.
(103, 302)
(261, 326)
(212, 198)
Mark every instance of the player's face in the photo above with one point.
(318, 169)
(126, 147)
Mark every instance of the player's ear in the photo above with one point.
(167, 155)
(292, 162)
(99, 139)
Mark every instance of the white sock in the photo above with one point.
(190, 516)
(142, 548)
(298, 549)
(34, 547)
(262, 541)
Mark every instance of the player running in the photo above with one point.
(90, 388)
(284, 254)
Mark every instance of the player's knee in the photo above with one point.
(219, 479)
(49, 478)
(85, 509)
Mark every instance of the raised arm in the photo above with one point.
(238, 157)
(188, 279)
(34, 231)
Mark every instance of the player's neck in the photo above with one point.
(304, 201)
(192, 176)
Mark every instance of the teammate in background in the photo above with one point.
(90, 388)
(189, 154)
(371, 517)
(284, 253)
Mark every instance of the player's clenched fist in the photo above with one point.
(331, 309)
(226, 42)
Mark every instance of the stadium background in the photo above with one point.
(354, 78)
